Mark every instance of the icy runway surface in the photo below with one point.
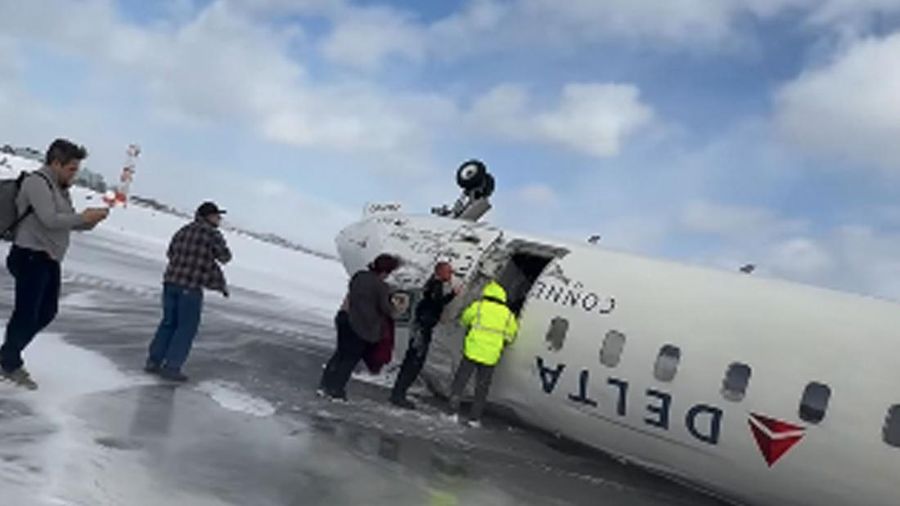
(248, 428)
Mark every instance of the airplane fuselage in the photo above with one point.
(761, 391)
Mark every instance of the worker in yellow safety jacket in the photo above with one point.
(491, 326)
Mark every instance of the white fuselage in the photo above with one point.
(629, 355)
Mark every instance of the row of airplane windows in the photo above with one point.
(813, 403)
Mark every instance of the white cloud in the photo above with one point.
(538, 195)
(849, 11)
(487, 25)
(10, 67)
(292, 6)
(470, 30)
(595, 119)
(270, 188)
(277, 207)
(800, 259)
(636, 233)
(695, 20)
(868, 261)
(225, 67)
(10, 62)
(501, 110)
(850, 107)
(695, 25)
(854, 258)
(550, 25)
(838, 14)
(742, 223)
(366, 38)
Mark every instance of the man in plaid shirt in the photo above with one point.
(194, 255)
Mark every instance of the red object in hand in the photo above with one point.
(381, 354)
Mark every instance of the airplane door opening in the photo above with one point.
(519, 276)
(525, 264)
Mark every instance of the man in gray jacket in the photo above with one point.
(40, 244)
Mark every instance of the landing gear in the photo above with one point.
(478, 185)
(470, 175)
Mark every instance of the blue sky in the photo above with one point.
(704, 131)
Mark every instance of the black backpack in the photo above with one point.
(9, 211)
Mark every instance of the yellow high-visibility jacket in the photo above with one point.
(491, 325)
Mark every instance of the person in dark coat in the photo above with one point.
(435, 297)
(359, 323)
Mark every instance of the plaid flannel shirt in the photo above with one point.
(193, 255)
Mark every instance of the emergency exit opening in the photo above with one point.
(524, 267)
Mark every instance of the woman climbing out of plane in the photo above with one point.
(492, 325)
(360, 324)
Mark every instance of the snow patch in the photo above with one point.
(78, 300)
(66, 372)
(56, 438)
(233, 398)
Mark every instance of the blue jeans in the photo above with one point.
(178, 328)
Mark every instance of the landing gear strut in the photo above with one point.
(478, 185)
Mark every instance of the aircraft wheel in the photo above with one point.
(471, 175)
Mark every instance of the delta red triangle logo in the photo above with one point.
(774, 437)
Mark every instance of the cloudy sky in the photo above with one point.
(717, 132)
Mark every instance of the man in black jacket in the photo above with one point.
(427, 315)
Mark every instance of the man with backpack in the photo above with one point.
(39, 224)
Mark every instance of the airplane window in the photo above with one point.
(556, 334)
(734, 386)
(611, 352)
(667, 363)
(892, 427)
(815, 402)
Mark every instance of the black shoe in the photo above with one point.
(172, 375)
(403, 402)
(151, 368)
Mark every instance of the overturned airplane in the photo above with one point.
(759, 391)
